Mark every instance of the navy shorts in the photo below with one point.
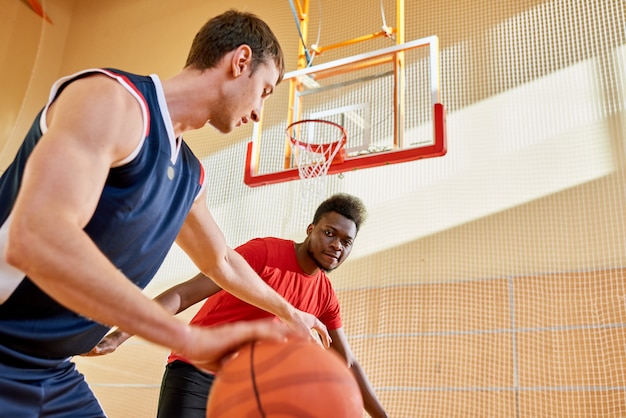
(46, 393)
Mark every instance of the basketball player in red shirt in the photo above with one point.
(297, 271)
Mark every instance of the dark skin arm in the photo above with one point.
(175, 300)
(370, 402)
(200, 287)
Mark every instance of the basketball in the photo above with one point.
(290, 379)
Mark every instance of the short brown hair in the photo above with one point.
(226, 32)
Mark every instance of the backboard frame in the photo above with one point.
(397, 155)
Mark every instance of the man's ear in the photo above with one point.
(242, 59)
(309, 229)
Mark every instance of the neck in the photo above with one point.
(306, 263)
(186, 96)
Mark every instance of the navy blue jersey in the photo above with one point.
(142, 208)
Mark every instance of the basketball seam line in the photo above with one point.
(254, 385)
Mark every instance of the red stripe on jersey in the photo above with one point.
(201, 182)
(143, 99)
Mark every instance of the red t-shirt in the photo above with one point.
(274, 259)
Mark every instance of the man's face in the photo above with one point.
(243, 99)
(329, 242)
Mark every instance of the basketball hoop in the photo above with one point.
(315, 145)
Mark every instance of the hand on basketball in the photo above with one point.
(209, 348)
(306, 322)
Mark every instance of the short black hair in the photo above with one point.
(344, 204)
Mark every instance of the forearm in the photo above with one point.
(183, 295)
(170, 300)
(370, 401)
(203, 241)
(236, 276)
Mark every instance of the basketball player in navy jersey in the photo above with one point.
(99, 190)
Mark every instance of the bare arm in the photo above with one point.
(175, 300)
(184, 295)
(203, 241)
(92, 125)
(370, 401)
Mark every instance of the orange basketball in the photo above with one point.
(291, 379)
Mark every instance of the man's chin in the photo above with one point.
(328, 269)
(222, 129)
(226, 130)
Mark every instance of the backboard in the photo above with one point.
(387, 101)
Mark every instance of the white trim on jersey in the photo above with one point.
(142, 104)
(167, 119)
(10, 277)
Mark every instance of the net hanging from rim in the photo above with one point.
(315, 145)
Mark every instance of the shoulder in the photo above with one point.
(96, 104)
(96, 80)
(265, 249)
(266, 242)
(96, 95)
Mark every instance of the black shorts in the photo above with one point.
(184, 391)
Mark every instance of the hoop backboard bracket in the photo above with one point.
(386, 100)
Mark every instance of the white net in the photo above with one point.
(487, 283)
(315, 145)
